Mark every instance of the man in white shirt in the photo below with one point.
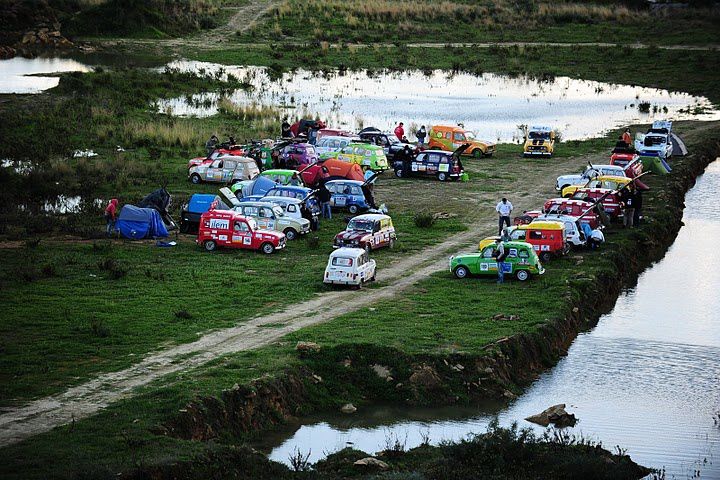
(504, 209)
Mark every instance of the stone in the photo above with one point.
(457, 368)
(381, 371)
(316, 378)
(347, 363)
(425, 377)
(348, 408)
(307, 347)
(575, 309)
(557, 415)
(372, 462)
(509, 395)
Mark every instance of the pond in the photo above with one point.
(647, 378)
(24, 75)
(491, 105)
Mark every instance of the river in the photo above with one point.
(646, 378)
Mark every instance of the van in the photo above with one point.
(450, 138)
(349, 266)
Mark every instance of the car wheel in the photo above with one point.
(195, 178)
(210, 245)
(461, 272)
(546, 257)
(290, 233)
(372, 279)
(353, 209)
(522, 275)
(267, 248)
(399, 173)
(368, 248)
(477, 153)
(442, 176)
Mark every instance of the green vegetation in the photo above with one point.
(377, 21)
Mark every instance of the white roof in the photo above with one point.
(347, 252)
(351, 182)
(371, 216)
(276, 199)
(540, 129)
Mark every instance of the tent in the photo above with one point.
(655, 164)
(331, 169)
(192, 211)
(136, 223)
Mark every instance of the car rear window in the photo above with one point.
(342, 262)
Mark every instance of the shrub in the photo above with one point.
(99, 328)
(184, 314)
(424, 220)
(112, 266)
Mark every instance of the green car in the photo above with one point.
(281, 176)
(367, 155)
(521, 261)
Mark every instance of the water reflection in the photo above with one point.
(647, 378)
(491, 105)
(21, 75)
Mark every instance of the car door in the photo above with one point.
(266, 218)
(241, 235)
(228, 170)
(338, 197)
(215, 171)
(346, 154)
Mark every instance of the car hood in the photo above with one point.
(352, 235)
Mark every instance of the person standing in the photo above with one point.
(110, 214)
(295, 180)
(211, 144)
(504, 208)
(628, 201)
(400, 131)
(421, 134)
(285, 129)
(637, 203)
(626, 137)
(500, 259)
(324, 197)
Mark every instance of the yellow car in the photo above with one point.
(603, 181)
(366, 155)
(539, 142)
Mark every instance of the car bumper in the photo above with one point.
(536, 153)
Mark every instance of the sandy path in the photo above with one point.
(88, 398)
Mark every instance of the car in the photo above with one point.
(349, 266)
(347, 194)
(297, 155)
(330, 169)
(590, 172)
(224, 228)
(225, 169)
(300, 193)
(390, 144)
(576, 208)
(574, 233)
(449, 138)
(198, 204)
(367, 155)
(283, 176)
(546, 236)
(434, 163)
(294, 208)
(330, 143)
(610, 182)
(521, 261)
(610, 199)
(369, 231)
(232, 151)
(657, 141)
(332, 132)
(539, 141)
(268, 215)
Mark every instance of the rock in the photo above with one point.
(307, 347)
(509, 395)
(575, 309)
(347, 363)
(425, 377)
(7, 52)
(372, 462)
(457, 368)
(488, 370)
(316, 378)
(557, 415)
(348, 408)
(381, 371)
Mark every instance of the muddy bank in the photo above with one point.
(331, 377)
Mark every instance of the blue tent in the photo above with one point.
(259, 186)
(201, 202)
(136, 223)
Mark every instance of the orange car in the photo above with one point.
(450, 138)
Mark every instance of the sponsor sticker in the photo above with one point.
(223, 238)
(219, 223)
(484, 267)
(444, 167)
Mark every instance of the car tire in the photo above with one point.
(368, 248)
(195, 179)
(399, 173)
(290, 233)
(477, 153)
(461, 272)
(353, 209)
(545, 257)
(267, 248)
(522, 275)
(442, 176)
(210, 245)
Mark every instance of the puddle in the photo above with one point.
(647, 378)
(491, 105)
(23, 75)
(21, 167)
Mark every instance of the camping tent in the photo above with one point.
(331, 169)
(655, 164)
(136, 223)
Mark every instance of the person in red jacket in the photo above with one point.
(110, 214)
(400, 131)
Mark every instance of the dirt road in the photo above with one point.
(88, 398)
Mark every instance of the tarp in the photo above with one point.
(655, 164)
(200, 202)
(679, 148)
(260, 186)
(136, 223)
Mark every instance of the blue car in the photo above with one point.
(290, 191)
(347, 194)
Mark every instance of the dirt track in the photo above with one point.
(88, 398)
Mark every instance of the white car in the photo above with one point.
(574, 234)
(657, 141)
(332, 144)
(589, 173)
(349, 266)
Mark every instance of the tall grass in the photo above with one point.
(161, 132)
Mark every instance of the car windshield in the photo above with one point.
(393, 139)
(342, 261)
(365, 225)
(278, 211)
(539, 135)
(469, 135)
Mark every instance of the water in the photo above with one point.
(23, 75)
(647, 378)
(491, 105)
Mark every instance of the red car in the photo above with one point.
(224, 228)
(610, 202)
(237, 150)
(573, 207)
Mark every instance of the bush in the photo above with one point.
(112, 266)
(424, 220)
(99, 328)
